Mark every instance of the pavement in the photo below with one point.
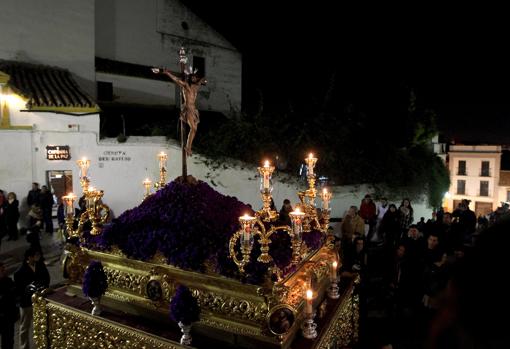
(12, 253)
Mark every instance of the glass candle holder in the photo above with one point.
(69, 202)
(296, 218)
(310, 164)
(247, 222)
(266, 172)
(84, 165)
(326, 198)
(147, 185)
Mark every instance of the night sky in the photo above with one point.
(456, 59)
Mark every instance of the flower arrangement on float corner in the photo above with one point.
(184, 310)
(95, 284)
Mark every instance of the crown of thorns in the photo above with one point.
(190, 71)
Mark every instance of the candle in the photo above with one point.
(325, 198)
(309, 306)
(84, 165)
(266, 175)
(162, 158)
(296, 217)
(147, 185)
(246, 227)
(310, 164)
(90, 197)
(334, 265)
(69, 201)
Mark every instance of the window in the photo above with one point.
(104, 91)
(484, 188)
(199, 65)
(461, 187)
(462, 168)
(485, 169)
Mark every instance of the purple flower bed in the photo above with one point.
(94, 280)
(184, 307)
(190, 224)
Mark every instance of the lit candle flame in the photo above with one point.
(335, 264)
(325, 191)
(310, 156)
(246, 216)
(266, 163)
(309, 294)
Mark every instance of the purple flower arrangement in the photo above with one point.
(191, 224)
(95, 282)
(184, 307)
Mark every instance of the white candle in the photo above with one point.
(266, 175)
(246, 227)
(309, 306)
(334, 265)
(310, 165)
(325, 200)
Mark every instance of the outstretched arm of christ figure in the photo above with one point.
(169, 74)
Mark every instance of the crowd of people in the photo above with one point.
(32, 275)
(416, 260)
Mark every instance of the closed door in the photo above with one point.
(483, 208)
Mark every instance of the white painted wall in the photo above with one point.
(121, 178)
(127, 89)
(52, 32)
(150, 33)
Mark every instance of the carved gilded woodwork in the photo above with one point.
(226, 304)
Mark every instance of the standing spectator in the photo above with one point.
(382, 208)
(284, 212)
(352, 225)
(406, 216)
(389, 229)
(368, 212)
(31, 276)
(46, 202)
(11, 213)
(8, 310)
(3, 202)
(33, 195)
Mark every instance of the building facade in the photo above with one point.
(475, 173)
(110, 45)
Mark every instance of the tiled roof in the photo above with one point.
(504, 178)
(45, 87)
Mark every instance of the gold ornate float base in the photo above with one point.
(230, 310)
(61, 326)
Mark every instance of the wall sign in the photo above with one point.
(58, 152)
(114, 155)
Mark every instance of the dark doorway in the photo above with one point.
(60, 183)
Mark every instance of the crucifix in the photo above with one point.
(189, 84)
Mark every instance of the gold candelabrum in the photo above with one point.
(147, 183)
(162, 157)
(304, 218)
(95, 211)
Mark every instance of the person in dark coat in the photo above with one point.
(46, 202)
(3, 203)
(33, 195)
(12, 216)
(8, 310)
(31, 276)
